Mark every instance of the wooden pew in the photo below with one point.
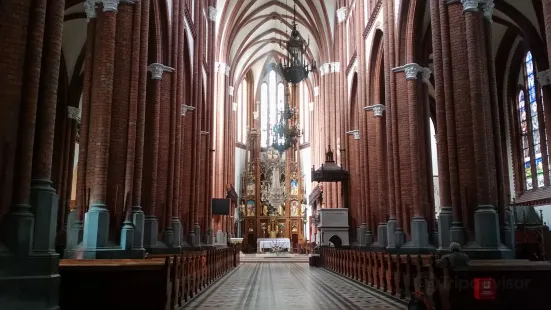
(116, 284)
(520, 284)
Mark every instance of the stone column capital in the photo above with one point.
(470, 5)
(377, 109)
(355, 133)
(157, 70)
(213, 13)
(186, 108)
(110, 5)
(412, 70)
(316, 91)
(544, 77)
(230, 90)
(341, 14)
(425, 74)
(488, 8)
(73, 112)
(90, 9)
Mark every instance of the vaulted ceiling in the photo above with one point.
(251, 33)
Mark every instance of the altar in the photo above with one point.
(269, 243)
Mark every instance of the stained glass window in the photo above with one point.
(264, 115)
(244, 111)
(271, 101)
(530, 126)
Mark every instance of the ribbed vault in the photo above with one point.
(251, 32)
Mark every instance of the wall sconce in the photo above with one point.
(355, 133)
(377, 109)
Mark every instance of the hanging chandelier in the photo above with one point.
(286, 133)
(294, 67)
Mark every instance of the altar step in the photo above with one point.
(274, 258)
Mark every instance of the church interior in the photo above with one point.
(267, 154)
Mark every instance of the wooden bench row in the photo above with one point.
(161, 282)
(518, 283)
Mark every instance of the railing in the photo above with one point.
(517, 284)
(398, 275)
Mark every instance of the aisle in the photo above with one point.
(274, 286)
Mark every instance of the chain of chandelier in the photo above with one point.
(295, 69)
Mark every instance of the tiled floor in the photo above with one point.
(274, 286)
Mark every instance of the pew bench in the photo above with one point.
(519, 284)
(115, 284)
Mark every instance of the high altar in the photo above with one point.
(272, 210)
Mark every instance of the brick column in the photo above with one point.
(547, 22)
(27, 80)
(445, 215)
(130, 235)
(76, 219)
(122, 128)
(44, 200)
(486, 226)
(138, 216)
(152, 154)
(174, 116)
(453, 78)
(96, 222)
(395, 232)
(497, 115)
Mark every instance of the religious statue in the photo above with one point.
(281, 210)
(242, 210)
(294, 208)
(265, 209)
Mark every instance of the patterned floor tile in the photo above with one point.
(275, 286)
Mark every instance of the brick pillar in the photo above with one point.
(419, 228)
(44, 200)
(96, 222)
(485, 218)
(547, 22)
(151, 156)
(75, 232)
(173, 120)
(118, 191)
(181, 108)
(27, 72)
(445, 215)
(138, 216)
(131, 233)
(499, 152)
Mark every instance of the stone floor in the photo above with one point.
(274, 286)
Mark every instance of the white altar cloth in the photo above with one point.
(268, 243)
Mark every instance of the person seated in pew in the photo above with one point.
(442, 297)
(455, 259)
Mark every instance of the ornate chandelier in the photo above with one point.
(294, 67)
(286, 133)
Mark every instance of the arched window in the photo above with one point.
(264, 115)
(272, 98)
(533, 148)
(244, 110)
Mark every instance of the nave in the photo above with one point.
(288, 285)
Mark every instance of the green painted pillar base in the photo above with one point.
(96, 227)
(44, 206)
